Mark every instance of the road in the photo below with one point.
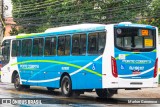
(40, 97)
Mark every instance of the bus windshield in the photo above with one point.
(135, 39)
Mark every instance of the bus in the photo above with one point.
(83, 58)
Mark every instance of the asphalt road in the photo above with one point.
(40, 97)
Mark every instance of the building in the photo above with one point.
(7, 14)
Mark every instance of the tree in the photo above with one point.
(152, 14)
(38, 15)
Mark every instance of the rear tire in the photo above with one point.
(66, 86)
(105, 93)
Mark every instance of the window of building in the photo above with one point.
(38, 44)
(27, 46)
(50, 46)
(16, 48)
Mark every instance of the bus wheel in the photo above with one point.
(17, 84)
(66, 86)
(25, 87)
(104, 93)
(50, 89)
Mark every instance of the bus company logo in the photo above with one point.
(23, 66)
(137, 61)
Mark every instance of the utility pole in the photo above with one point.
(2, 26)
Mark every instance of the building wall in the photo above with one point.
(7, 8)
(8, 16)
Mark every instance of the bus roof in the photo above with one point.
(129, 24)
(75, 27)
(66, 30)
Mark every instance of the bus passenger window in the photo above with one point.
(61, 45)
(102, 42)
(96, 42)
(67, 45)
(16, 48)
(50, 46)
(82, 44)
(93, 43)
(38, 47)
(27, 45)
(75, 45)
(79, 44)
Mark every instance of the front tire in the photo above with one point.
(105, 93)
(17, 84)
(66, 86)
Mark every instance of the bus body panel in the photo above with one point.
(108, 80)
(131, 65)
(47, 71)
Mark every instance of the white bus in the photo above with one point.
(83, 57)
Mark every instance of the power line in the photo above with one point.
(109, 10)
(56, 9)
(37, 16)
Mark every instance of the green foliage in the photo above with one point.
(38, 15)
(153, 14)
(14, 31)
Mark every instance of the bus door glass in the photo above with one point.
(135, 52)
(5, 52)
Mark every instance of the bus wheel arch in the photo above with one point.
(106, 93)
(66, 84)
(16, 81)
(13, 76)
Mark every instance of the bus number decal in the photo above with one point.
(65, 68)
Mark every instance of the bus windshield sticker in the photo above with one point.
(122, 56)
(148, 42)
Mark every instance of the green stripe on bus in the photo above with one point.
(59, 62)
(133, 53)
(154, 50)
(27, 35)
